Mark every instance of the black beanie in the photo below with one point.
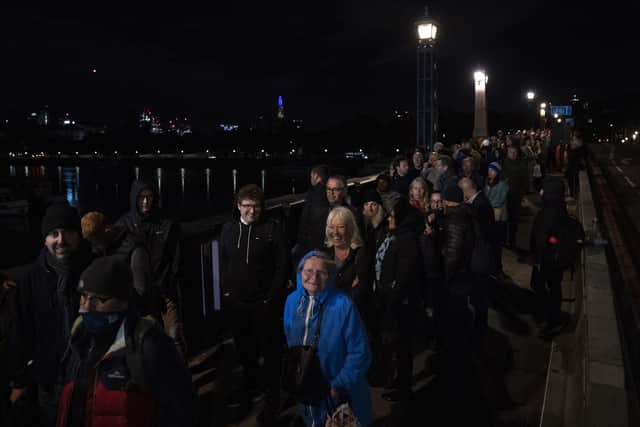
(60, 215)
(452, 193)
(371, 195)
(107, 276)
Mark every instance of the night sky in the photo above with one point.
(330, 60)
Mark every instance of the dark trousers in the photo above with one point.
(480, 302)
(500, 237)
(547, 285)
(513, 208)
(457, 351)
(257, 331)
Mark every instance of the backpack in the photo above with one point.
(564, 244)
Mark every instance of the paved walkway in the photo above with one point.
(514, 350)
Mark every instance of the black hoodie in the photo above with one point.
(160, 236)
(254, 260)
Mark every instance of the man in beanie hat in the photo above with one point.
(120, 366)
(148, 229)
(373, 214)
(46, 302)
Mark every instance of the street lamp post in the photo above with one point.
(480, 110)
(530, 97)
(543, 115)
(427, 95)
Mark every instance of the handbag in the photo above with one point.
(342, 416)
(302, 376)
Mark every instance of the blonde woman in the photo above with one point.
(419, 194)
(346, 248)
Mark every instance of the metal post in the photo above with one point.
(263, 175)
(427, 109)
(235, 180)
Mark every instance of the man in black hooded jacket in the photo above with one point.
(254, 259)
(160, 237)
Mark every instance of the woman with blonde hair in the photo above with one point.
(420, 194)
(353, 265)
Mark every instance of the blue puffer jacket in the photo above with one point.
(343, 347)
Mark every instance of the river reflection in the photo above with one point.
(185, 193)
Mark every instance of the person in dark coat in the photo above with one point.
(254, 260)
(514, 172)
(375, 224)
(403, 175)
(546, 278)
(314, 216)
(160, 236)
(46, 303)
(397, 274)
(482, 212)
(119, 368)
(457, 245)
(354, 269)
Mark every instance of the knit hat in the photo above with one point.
(452, 193)
(107, 276)
(371, 195)
(495, 166)
(60, 215)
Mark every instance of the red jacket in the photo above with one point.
(112, 399)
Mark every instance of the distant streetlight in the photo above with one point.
(530, 97)
(480, 127)
(426, 81)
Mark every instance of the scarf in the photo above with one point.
(381, 252)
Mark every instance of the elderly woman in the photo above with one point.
(342, 345)
(420, 194)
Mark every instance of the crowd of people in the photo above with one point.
(94, 325)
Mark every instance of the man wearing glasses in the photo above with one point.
(254, 260)
(120, 369)
(46, 302)
(311, 229)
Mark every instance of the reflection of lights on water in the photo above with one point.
(182, 181)
(207, 173)
(26, 171)
(137, 172)
(159, 178)
(12, 171)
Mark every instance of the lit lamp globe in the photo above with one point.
(531, 95)
(427, 30)
(481, 79)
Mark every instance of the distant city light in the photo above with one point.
(234, 150)
(543, 105)
(93, 70)
(559, 120)
(181, 151)
(555, 116)
(326, 151)
(136, 151)
(530, 95)
(115, 152)
(76, 153)
(158, 151)
(397, 150)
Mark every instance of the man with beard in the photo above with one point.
(46, 302)
(160, 236)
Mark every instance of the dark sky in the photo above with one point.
(330, 60)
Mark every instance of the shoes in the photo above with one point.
(397, 395)
(267, 417)
(550, 331)
(237, 398)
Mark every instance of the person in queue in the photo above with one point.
(254, 260)
(160, 260)
(353, 264)
(119, 368)
(46, 302)
(419, 194)
(397, 274)
(343, 349)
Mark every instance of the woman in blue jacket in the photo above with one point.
(342, 347)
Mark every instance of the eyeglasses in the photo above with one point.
(312, 273)
(334, 190)
(250, 206)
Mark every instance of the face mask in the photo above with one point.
(97, 322)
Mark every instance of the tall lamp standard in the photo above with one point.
(543, 115)
(480, 111)
(427, 95)
(530, 97)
